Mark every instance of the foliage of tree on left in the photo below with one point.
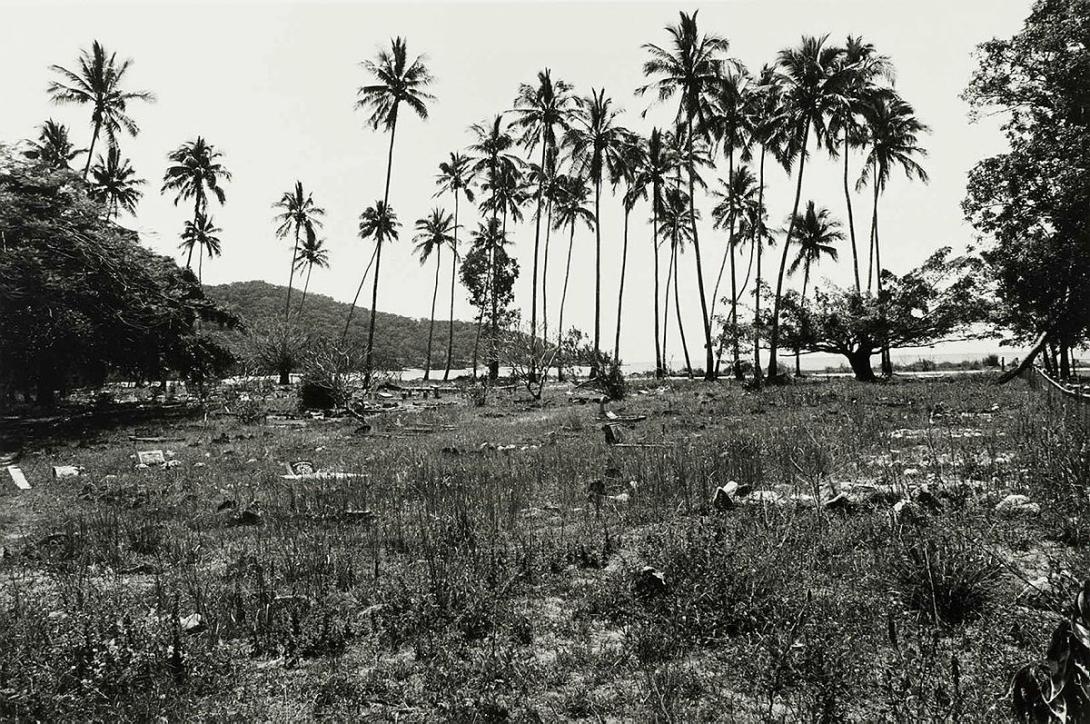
(80, 299)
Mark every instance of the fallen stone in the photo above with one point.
(67, 471)
(192, 624)
(172, 463)
(359, 516)
(649, 583)
(1015, 505)
(18, 478)
(247, 517)
(301, 467)
(614, 436)
(151, 457)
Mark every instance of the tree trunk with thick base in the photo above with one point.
(860, 364)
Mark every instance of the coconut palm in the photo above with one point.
(691, 69)
(396, 81)
(455, 177)
(676, 230)
(311, 254)
(737, 208)
(380, 223)
(628, 171)
(540, 112)
(572, 209)
(114, 184)
(895, 134)
(655, 172)
(815, 238)
(433, 233)
(53, 147)
(811, 90)
(201, 233)
(596, 145)
(98, 83)
(298, 214)
(861, 67)
(194, 173)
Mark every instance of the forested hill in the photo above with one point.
(400, 341)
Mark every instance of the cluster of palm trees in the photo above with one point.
(551, 156)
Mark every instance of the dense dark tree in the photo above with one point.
(53, 147)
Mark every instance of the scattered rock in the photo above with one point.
(649, 583)
(151, 457)
(192, 624)
(723, 500)
(614, 436)
(172, 463)
(226, 505)
(67, 471)
(250, 516)
(302, 467)
(1014, 506)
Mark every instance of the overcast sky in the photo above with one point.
(272, 85)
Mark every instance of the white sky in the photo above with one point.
(272, 85)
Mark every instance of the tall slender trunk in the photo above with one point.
(802, 308)
(666, 310)
(775, 336)
(655, 253)
(494, 342)
(851, 220)
(477, 340)
(563, 299)
(758, 235)
(363, 279)
(681, 327)
(887, 363)
(597, 277)
(369, 358)
(533, 301)
(91, 150)
(709, 369)
(453, 271)
(200, 266)
(737, 363)
(873, 235)
(306, 286)
(196, 216)
(620, 289)
(291, 276)
(431, 323)
(545, 277)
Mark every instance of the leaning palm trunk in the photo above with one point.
(363, 279)
(758, 237)
(453, 270)
(196, 215)
(709, 371)
(666, 312)
(431, 322)
(369, 358)
(91, 149)
(477, 340)
(681, 328)
(563, 299)
(306, 286)
(620, 290)
(291, 276)
(802, 307)
(775, 337)
(851, 220)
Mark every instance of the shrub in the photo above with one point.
(944, 578)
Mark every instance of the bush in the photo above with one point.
(944, 578)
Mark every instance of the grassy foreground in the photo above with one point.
(489, 563)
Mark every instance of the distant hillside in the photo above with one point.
(401, 340)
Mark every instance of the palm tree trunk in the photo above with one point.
(737, 365)
(91, 151)
(196, 216)
(431, 324)
(887, 364)
(620, 289)
(291, 275)
(709, 371)
(802, 308)
(369, 358)
(356, 298)
(775, 336)
(563, 299)
(545, 277)
(851, 220)
(681, 327)
(306, 286)
(655, 253)
(453, 271)
(494, 342)
(597, 277)
(200, 266)
(533, 284)
(666, 310)
(758, 234)
(477, 340)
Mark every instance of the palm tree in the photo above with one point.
(693, 70)
(630, 171)
(311, 254)
(657, 165)
(737, 208)
(396, 81)
(380, 222)
(861, 66)
(816, 234)
(571, 209)
(811, 88)
(596, 145)
(98, 84)
(677, 230)
(194, 174)
(540, 112)
(298, 214)
(894, 141)
(113, 184)
(456, 177)
(201, 233)
(433, 233)
(53, 147)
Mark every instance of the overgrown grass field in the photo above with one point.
(503, 562)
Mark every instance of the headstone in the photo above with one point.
(66, 471)
(18, 478)
(151, 457)
(302, 467)
(613, 434)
